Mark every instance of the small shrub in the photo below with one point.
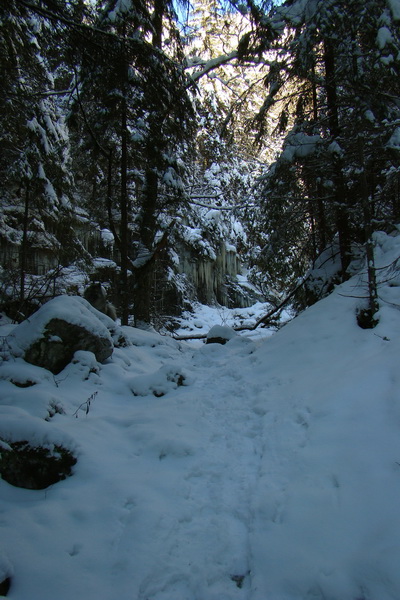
(366, 319)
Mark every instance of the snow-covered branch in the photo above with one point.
(211, 207)
(209, 65)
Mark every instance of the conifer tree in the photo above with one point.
(34, 162)
(328, 179)
(135, 114)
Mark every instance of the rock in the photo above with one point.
(96, 295)
(56, 348)
(35, 468)
(6, 573)
(220, 334)
(62, 326)
(5, 586)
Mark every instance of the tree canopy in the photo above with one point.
(284, 114)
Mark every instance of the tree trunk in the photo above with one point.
(342, 218)
(124, 237)
(144, 274)
(124, 216)
(373, 304)
(157, 21)
(319, 213)
(24, 247)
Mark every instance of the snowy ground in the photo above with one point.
(205, 317)
(273, 473)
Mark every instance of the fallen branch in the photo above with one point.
(263, 320)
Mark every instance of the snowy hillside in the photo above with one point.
(259, 470)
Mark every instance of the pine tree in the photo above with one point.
(328, 179)
(34, 163)
(135, 113)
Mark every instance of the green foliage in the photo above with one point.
(340, 151)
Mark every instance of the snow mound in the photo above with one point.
(158, 384)
(220, 334)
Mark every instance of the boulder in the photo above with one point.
(5, 586)
(97, 296)
(62, 326)
(220, 334)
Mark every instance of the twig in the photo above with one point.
(87, 403)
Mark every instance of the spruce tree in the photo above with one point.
(133, 108)
(34, 163)
(326, 184)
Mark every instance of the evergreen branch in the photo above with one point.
(103, 151)
(44, 94)
(209, 206)
(212, 64)
(84, 27)
(206, 196)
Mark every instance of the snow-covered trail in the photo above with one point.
(192, 539)
(160, 504)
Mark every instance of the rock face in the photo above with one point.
(50, 337)
(214, 279)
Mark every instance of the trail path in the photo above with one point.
(188, 537)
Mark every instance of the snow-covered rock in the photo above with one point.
(220, 334)
(51, 336)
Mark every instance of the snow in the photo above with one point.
(206, 317)
(394, 141)
(73, 309)
(121, 7)
(211, 64)
(395, 8)
(300, 145)
(107, 237)
(384, 37)
(268, 469)
(295, 13)
(222, 332)
(194, 236)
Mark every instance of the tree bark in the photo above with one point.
(342, 219)
(368, 230)
(124, 216)
(24, 246)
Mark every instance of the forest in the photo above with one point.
(199, 299)
(163, 148)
